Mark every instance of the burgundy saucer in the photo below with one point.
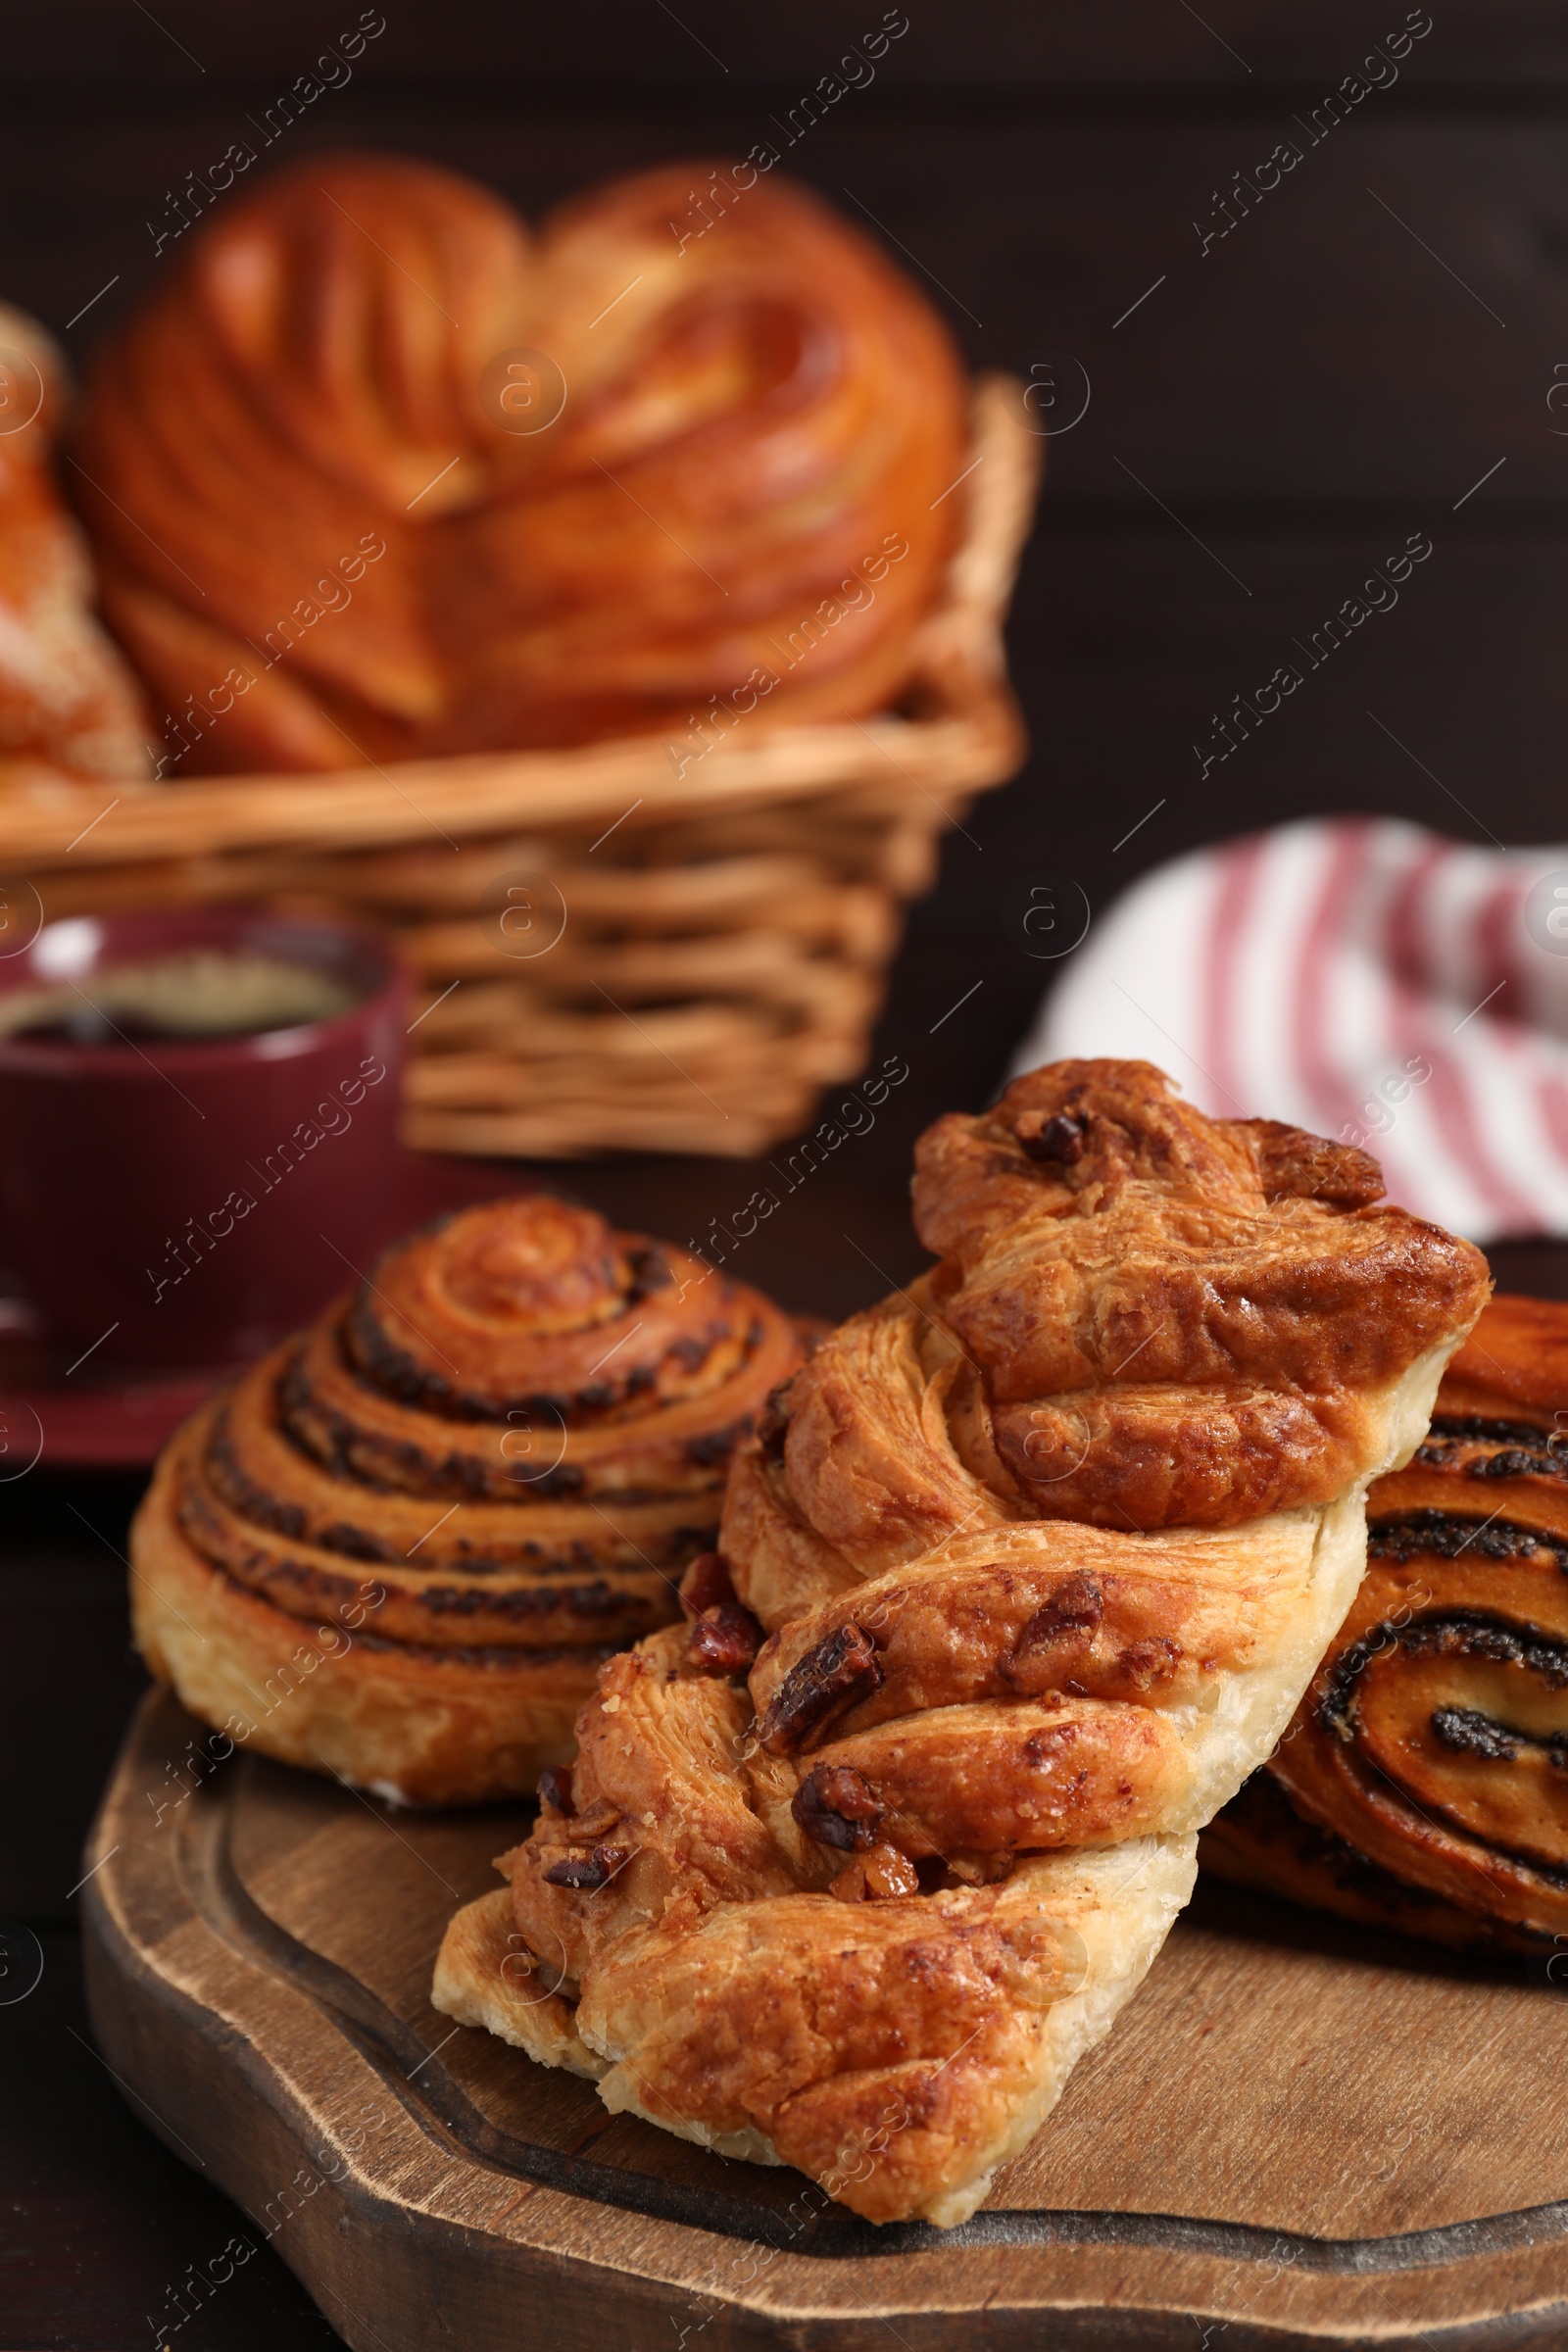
(61, 1416)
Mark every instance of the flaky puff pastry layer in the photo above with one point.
(861, 1910)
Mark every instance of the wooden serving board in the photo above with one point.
(1296, 2134)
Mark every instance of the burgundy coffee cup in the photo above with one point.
(174, 1203)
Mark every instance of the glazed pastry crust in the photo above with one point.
(1235, 1297)
(1514, 1367)
(934, 2038)
(69, 706)
(867, 1904)
(399, 1548)
(451, 486)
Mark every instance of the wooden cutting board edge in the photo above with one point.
(263, 2067)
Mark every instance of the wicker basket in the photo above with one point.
(614, 951)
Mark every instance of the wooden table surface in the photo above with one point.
(1284, 408)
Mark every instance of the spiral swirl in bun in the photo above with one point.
(1420, 1785)
(399, 479)
(399, 1548)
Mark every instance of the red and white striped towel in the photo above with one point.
(1363, 978)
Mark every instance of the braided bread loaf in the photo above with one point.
(400, 1546)
(1422, 1783)
(1046, 1549)
(67, 704)
(328, 531)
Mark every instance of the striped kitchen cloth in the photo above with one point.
(1363, 978)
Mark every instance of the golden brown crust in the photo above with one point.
(788, 1902)
(858, 2055)
(1514, 1366)
(485, 1976)
(313, 420)
(418, 1726)
(1180, 1456)
(1106, 1622)
(67, 704)
(869, 1459)
(499, 1535)
(1007, 1776)
(1431, 1746)
(1155, 1250)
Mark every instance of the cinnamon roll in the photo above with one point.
(381, 475)
(399, 1548)
(1423, 1784)
(1024, 1572)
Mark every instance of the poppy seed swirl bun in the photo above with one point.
(399, 1548)
(851, 1877)
(1421, 1786)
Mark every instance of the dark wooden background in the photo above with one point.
(1327, 380)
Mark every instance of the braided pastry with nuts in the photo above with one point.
(1023, 1575)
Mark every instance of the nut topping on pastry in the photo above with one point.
(837, 1806)
(877, 1876)
(1187, 1319)
(840, 1671)
(1059, 1138)
(919, 1863)
(725, 1638)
